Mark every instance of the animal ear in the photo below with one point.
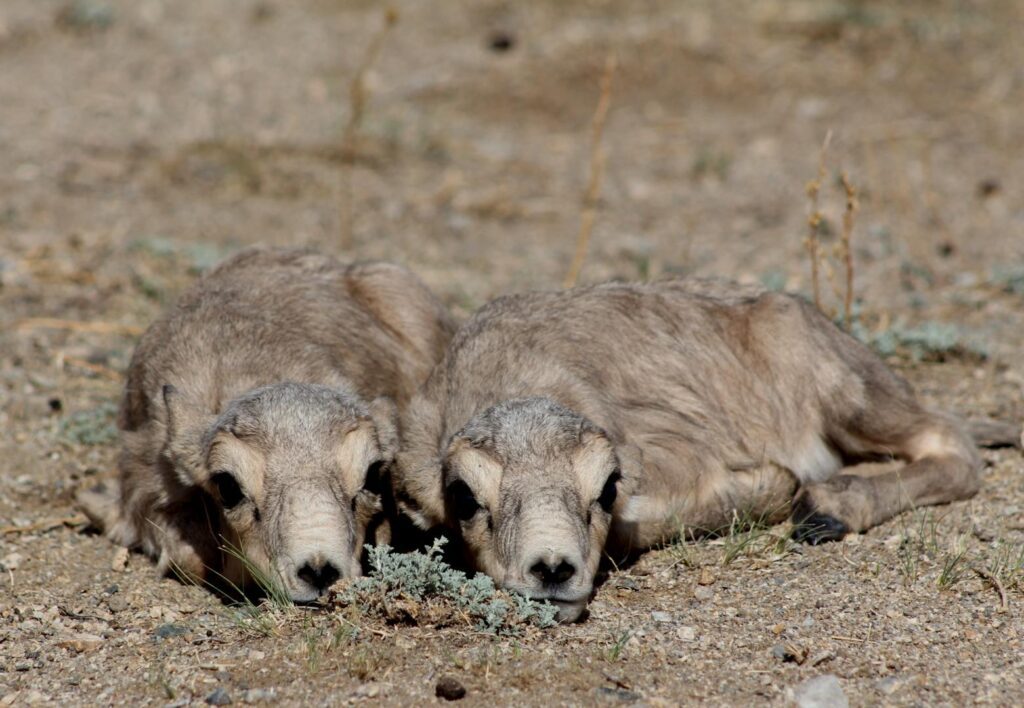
(631, 467)
(185, 432)
(384, 414)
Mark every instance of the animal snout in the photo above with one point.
(552, 569)
(318, 573)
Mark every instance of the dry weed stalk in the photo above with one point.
(597, 161)
(357, 106)
(845, 252)
(842, 251)
(811, 243)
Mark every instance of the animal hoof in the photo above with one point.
(818, 528)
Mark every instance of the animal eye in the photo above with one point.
(227, 489)
(610, 491)
(374, 482)
(462, 501)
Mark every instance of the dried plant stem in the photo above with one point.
(811, 243)
(357, 106)
(845, 251)
(997, 584)
(597, 162)
(48, 525)
(76, 326)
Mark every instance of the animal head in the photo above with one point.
(296, 471)
(532, 488)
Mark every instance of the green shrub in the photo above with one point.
(419, 588)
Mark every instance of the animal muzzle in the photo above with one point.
(320, 552)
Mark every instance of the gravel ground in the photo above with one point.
(141, 141)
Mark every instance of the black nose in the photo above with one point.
(319, 574)
(553, 573)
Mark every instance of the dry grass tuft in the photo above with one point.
(597, 162)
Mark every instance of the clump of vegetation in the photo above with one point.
(928, 341)
(1011, 280)
(91, 427)
(419, 588)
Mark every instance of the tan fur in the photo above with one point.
(739, 401)
(281, 368)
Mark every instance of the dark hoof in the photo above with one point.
(813, 527)
(820, 528)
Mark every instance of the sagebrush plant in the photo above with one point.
(408, 587)
(92, 427)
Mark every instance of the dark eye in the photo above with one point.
(610, 491)
(374, 481)
(461, 500)
(227, 489)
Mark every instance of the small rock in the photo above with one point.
(368, 690)
(117, 603)
(219, 697)
(820, 692)
(81, 642)
(11, 561)
(449, 689)
(808, 622)
(256, 655)
(165, 631)
(702, 593)
(258, 695)
(687, 634)
(619, 694)
(890, 685)
(661, 616)
(821, 657)
(707, 576)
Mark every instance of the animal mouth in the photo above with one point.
(569, 611)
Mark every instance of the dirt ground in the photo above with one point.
(141, 140)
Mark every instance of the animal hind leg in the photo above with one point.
(942, 466)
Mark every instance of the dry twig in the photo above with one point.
(98, 369)
(996, 583)
(357, 106)
(597, 160)
(845, 252)
(75, 326)
(48, 525)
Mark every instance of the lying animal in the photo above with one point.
(258, 413)
(561, 423)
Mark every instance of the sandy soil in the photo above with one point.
(141, 141)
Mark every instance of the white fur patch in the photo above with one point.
(814, 460)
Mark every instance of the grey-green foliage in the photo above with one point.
(91, 427)
(1011, 279)
(402, 586)
(929, 340)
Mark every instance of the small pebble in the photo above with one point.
(449, 689)
(820, 692)
(219, 697)
(661, 616)
(703, 593)
(166, 631)
(258, 695)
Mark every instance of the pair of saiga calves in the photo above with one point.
(287, 399)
